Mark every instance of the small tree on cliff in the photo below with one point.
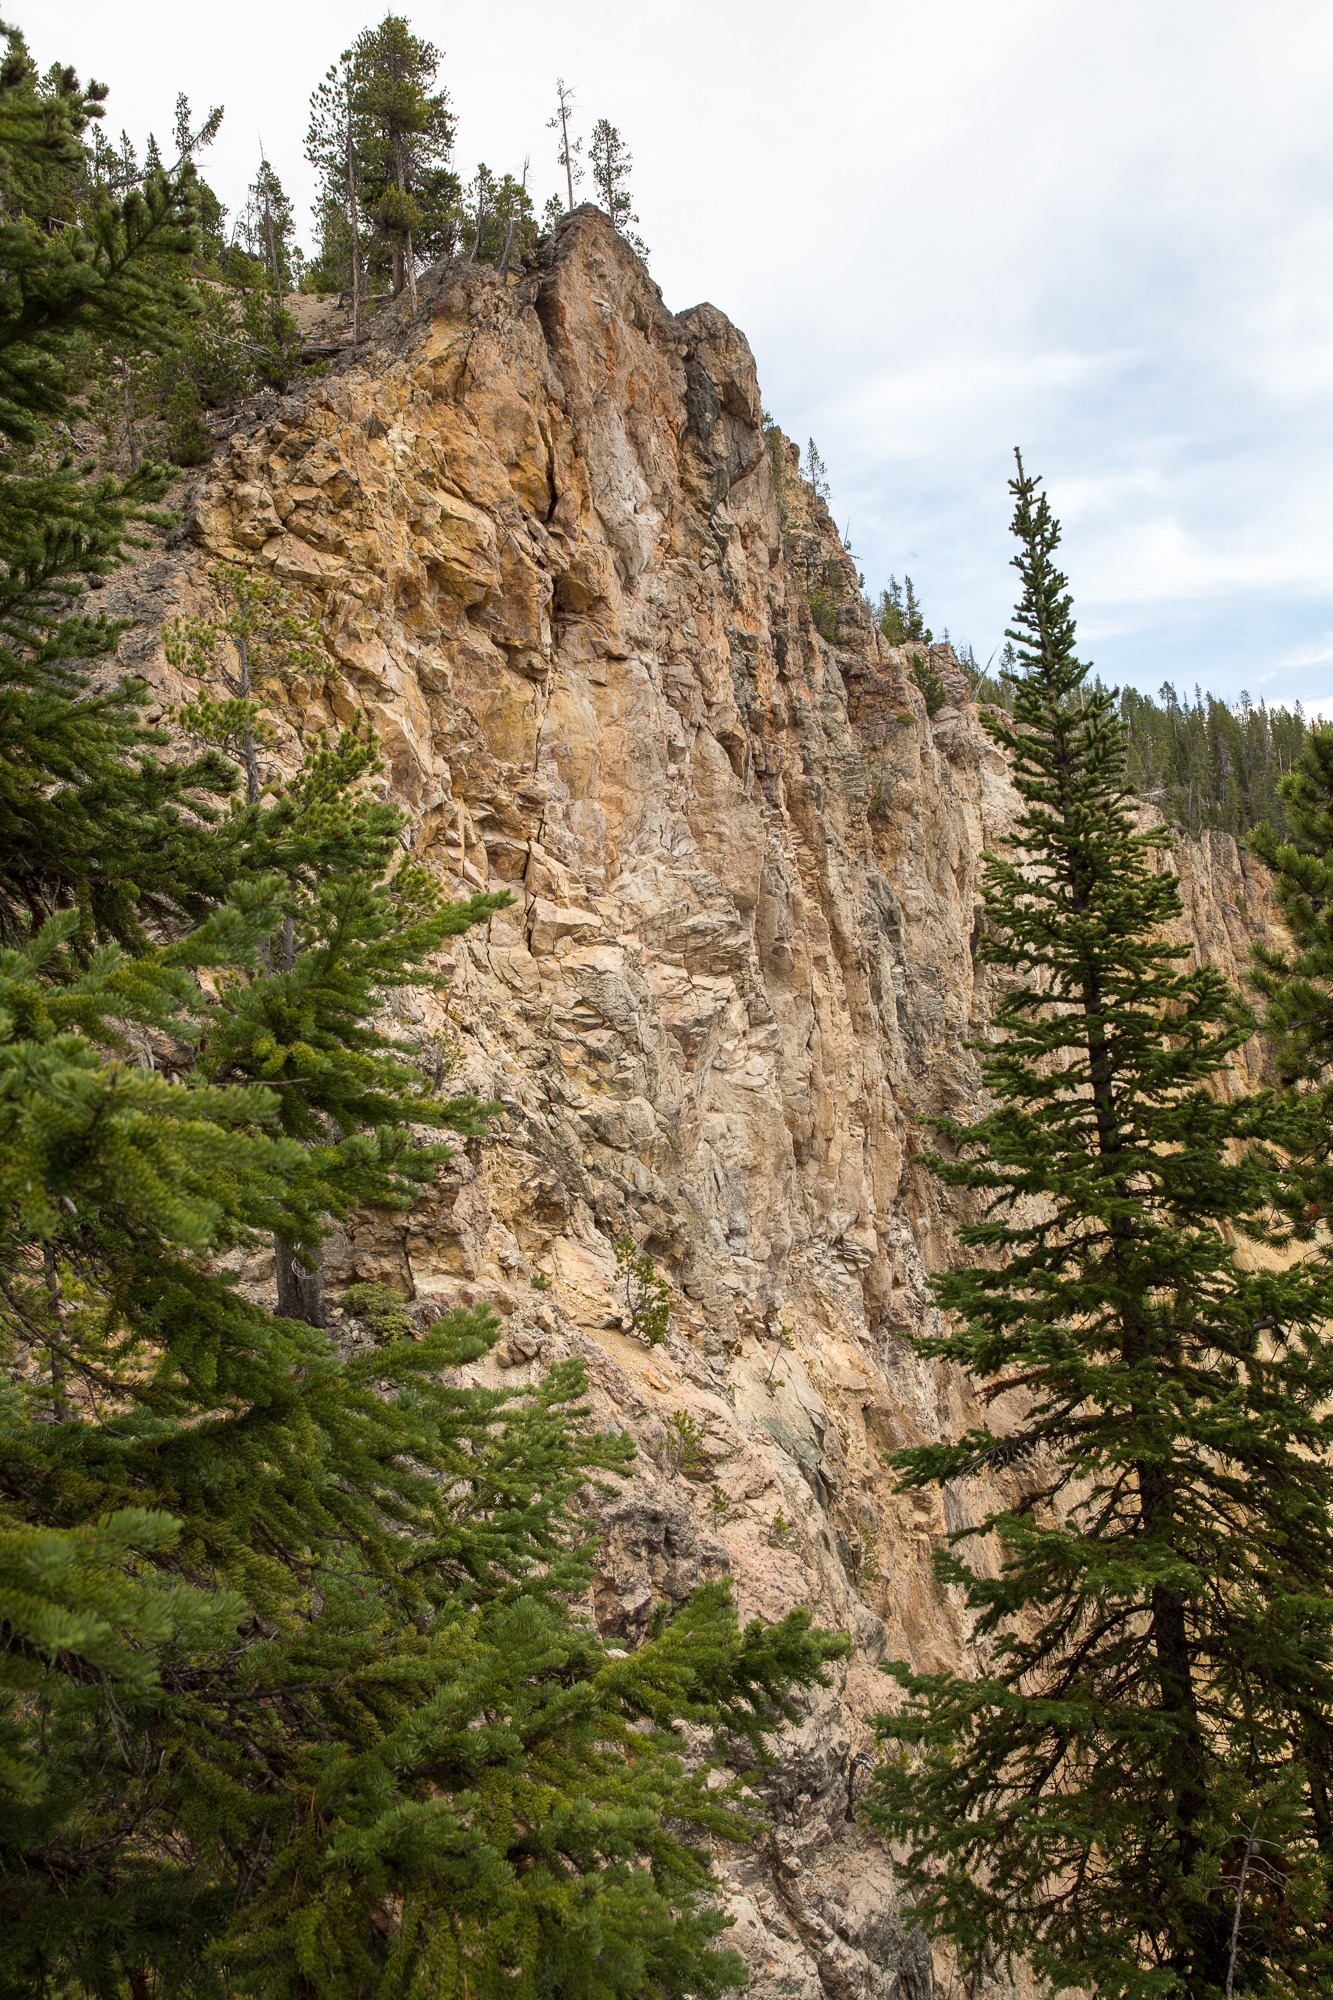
(1149, 1724)
(570, 147)
(611, 163)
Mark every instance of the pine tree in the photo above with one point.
(267, 228)
(497, 217)
(292, 1698)
(259, 642)
(90, 811)
(1297, 981)
(330, 147)
(405, 133)
(611, 162)
(1155, 1688)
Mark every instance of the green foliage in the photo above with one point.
(270, 338)
(824, 611)
(683, 1445)
(90, 812)
(611, 162)
(189, 441)
(646, 1292)
(404, 133)
(380, 1310)
(497, 221)
(1206, 763)
(331, 148)
(776, 446)
(1156, 1639)
(259, 642)
(926, 677)
(1211, 763)
(1296, 981)
(295, 1690)
(899, 615)
(267, 229)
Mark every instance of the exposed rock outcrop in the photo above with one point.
(568, 575)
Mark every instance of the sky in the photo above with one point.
(1103, 233)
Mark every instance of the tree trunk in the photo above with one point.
(1205, 1955)
(352, 219)
(300, 1292)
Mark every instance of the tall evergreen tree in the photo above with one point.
(1297, 980)
(1153, 1702)
(90, 811)
(267, 227)
(330, 147)
(291, 1696)
(405, 136)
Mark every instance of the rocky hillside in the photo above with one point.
(620, 665)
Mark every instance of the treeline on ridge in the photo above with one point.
(1206, 763)
(391, 200)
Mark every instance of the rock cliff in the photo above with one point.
(620, 665)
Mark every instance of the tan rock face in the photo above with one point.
(561, 568)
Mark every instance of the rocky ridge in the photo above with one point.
(620, 665)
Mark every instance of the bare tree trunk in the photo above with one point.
(411, 274)
(352, 220)
(300, 1292)
(131, 440)
(1251, 1842)
(564, 141)
(59, 1403)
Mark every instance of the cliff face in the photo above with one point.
(565, 573)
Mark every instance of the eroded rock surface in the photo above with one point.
(575, 586)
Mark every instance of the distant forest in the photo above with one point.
(1203, 763)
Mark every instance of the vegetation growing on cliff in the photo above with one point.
(295, 1693)
(1131, 1790)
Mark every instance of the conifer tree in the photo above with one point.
(268, 228)
(348, 925)
(1297, 981)
(405, 136)
(497, 217)
(330, 148)
(291, 1696)
(611, 162)
(1152, 1705)
(90, 812)
(259, 642)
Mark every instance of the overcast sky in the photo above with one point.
(1102, 231)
